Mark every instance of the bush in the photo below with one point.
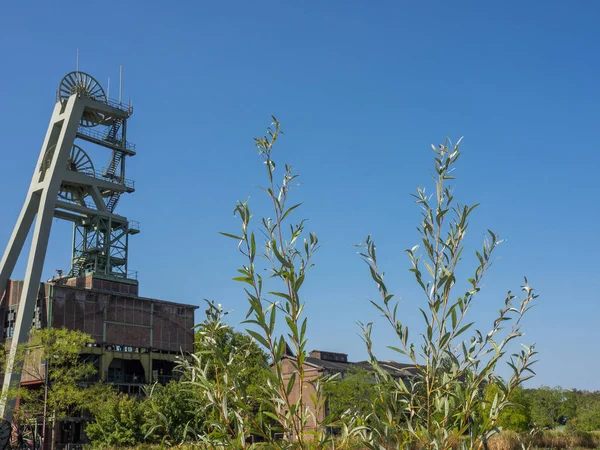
(118, 422)
(516, 416)
(169, 415)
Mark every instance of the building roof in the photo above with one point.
(396, 369)
(329, 365)
(101, 291)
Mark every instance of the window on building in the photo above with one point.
(9, 321)
(37, 318)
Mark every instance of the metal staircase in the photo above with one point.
(114, 138)
(111, 204)
(111, 170)
(114, 129)
(117, 155)
(77, 267)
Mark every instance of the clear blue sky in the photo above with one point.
(362, 90)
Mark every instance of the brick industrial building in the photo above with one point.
(137, 339)
(322, 363)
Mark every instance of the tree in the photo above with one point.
(240, 350)
(445, 403)
(587, 415)
(119, 420)
(182, 409)
(68, 390)
(517, 415)
(178, 409)
(225, 379)
(170, 415)
(551, 407)
(351, 394)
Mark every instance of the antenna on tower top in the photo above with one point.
(108, 89)
(77, 62)
(120, 84)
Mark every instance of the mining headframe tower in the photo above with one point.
(67, 184)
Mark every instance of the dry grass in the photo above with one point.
(509, 440)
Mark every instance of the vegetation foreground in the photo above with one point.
(506, 440)
(234, 390)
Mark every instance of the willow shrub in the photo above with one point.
(288, 416)
(442, 405)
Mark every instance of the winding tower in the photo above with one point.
(66, 184)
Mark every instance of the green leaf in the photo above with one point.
(281, 259)
(290, 210)
(258, 338)
(396, 349)
(424, 316)
(282, 295)
(291, 383)
(244, 280)
(232, 236)
(271, 415)
(252, 245)
(272, 317)
(463, 329)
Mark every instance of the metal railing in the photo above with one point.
(128, 109)
(120, 377)
(134, 225)
(119, 105)
(92, 378)
(78, 203)
(104, 137)
(113, 179)
(132, 274)
(129, 275)
(165, 379)
(69, 446)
